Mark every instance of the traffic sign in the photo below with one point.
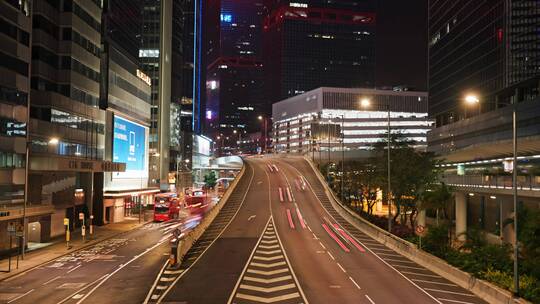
(420, 230)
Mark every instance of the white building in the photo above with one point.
(312, 122)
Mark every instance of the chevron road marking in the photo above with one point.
(267, 273)
(267, 276)
(268, 300)
(267, 265)
(269, 247)
(267, 252)
(277, 257)
(268, 281)
(267, 290)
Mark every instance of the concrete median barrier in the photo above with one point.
(187, 242)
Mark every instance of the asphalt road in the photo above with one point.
(285, 246)
(102, 273)
(280, 242)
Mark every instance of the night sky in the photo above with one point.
(402, 43)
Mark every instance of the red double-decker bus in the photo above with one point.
(166, 207)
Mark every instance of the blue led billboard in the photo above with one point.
(129, 147)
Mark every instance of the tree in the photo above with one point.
(210, 179)
(411, 171)
(439, 197)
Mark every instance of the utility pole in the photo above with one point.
(342, 155)
(388, 166)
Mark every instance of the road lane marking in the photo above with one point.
(280, 194)
(389, 254)
(349, 238)
(267, 265)
(269, 241)
(409, 267)
(454, 301)
(117, 270)
(300, 218)
(260, 281)
(342, 269)
(265, 289)
(328, 212)
(322, 245)
(268, 247)
(400, 261)
(268, 281)
(369, 299)
(436, 283)
(268, 300)
(332, 235)
(82, 289)
(289, 194)
(451, 292)
(268, 252)
(23, 295)
(251, 217)
(267, 273)
(289, 218)
(53, 279)
(277, 257)
(354, 282)
(331, 255)
(173, 271)
(422, 274)
(74, 268)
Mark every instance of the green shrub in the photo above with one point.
(436, 241)
(529, 286)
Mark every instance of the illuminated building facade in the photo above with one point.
(316, 120)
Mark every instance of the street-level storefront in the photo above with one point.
(122, 204)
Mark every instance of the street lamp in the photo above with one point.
(365, 103)
(263, 118)
(473, 100)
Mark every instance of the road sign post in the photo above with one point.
(420, 231)
(91, 225)
(83, 227)
(66, 224)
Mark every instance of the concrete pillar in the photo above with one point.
(461, 215)
(507, 212)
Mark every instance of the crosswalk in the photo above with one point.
(268, 276)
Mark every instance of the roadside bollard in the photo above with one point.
(173, 257)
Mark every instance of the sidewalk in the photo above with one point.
(43, 255)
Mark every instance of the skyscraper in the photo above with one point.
(311, 44)
(163, 54)
(15, 58)
(234, 90)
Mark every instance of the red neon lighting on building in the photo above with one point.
(318, 15)
(500, 35)
(236, 62)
